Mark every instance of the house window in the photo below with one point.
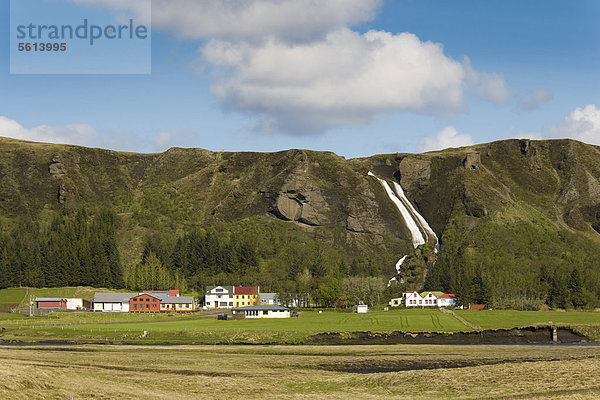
(218, 290)
(243, 303)
(219, 296)
(187, 306)
(265, 312)
(134, 306)
(147, 299)
(147, 306)
(231, 303)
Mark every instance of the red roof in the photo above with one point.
(447, 296)
(245, 290)
(173, 292)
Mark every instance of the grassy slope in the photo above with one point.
(517, 193)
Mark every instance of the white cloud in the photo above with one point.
(297, 66)
(345, 79)
(67, 134)
(447, 137)
(535, 99)
(582, 124)
(294, 20)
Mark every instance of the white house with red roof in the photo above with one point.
(412, 298)
(446, 300)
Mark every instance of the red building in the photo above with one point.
(51, 303)
(144, 303)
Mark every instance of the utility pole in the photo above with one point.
(30, 307)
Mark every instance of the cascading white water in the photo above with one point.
(420, 220)
(415, 232)
(417, 225)
(399, 263)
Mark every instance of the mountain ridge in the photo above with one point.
(550, 186)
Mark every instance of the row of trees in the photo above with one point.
(544, 268)
(69, 250)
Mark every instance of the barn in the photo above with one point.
(53, 303)
(145, 302)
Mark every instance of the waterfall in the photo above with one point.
(420, 220)
(415, 232)
(420, 230)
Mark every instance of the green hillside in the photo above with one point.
(517, 220)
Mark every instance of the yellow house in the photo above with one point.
(246, 296)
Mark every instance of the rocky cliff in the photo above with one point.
(512, 188)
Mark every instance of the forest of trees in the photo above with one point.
(80, 248)
(480, 270)
(70, 250)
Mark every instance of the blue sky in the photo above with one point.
(345, 78)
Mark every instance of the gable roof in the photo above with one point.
(229, 289)
(447, 296)
(113, 297)
(246, 290)
(178, 300)
(153, 295)
(49, 299)
(436, 293)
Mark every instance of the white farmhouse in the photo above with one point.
(263, 311)
(430, 298)
(413, 299)
(219, 297)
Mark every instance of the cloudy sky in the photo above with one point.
(357, 77)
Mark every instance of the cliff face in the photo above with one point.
(466, 194)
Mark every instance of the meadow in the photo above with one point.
(203, 329)
(300, 372)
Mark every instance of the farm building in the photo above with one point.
(446, 300)
(53, 303)
(413, 299)
(231, 296)
(145, 302)
(78, 304)
(245, 295)
(269, 299)
(428, 299)
(263, 311)
(360, 309)
(178, 304)
(218, 297)
(397, 302)
(112, 302)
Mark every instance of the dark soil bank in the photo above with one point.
(527, 335)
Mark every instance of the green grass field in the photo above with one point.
(495, 319)
(130, 328)
(94, 326)
(116, 327)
